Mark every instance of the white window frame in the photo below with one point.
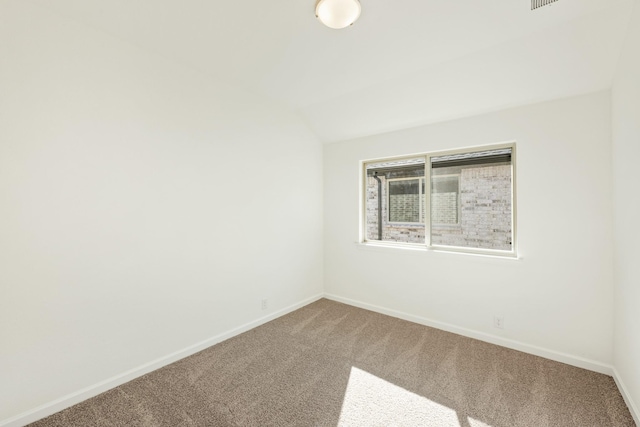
(427, 245)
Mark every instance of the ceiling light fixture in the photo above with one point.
(337, 13)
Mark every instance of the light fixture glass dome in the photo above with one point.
(337, 13)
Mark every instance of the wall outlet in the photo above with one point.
(265, 303)
(498, 322)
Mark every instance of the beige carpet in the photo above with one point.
(330, 364)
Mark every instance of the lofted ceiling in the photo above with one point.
(403, 63)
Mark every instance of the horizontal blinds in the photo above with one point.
(467, 159)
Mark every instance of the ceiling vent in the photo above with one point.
(539, 3)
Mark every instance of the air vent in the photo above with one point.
(539, 3)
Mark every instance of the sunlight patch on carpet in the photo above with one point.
(372, 401)
(476, 423)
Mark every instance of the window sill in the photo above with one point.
(405, 224)
(421, 248)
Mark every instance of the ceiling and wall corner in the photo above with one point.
(404, 63)
(559, 61)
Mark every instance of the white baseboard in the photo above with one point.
(569, 359)
(627, 398)
(94, 390)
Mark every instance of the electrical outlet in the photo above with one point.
(498, 322)
(265, 303)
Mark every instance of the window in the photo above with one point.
(468, 206)
(445, 202)
(394, 202)
(406, 200)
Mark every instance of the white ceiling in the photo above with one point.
(403, 63)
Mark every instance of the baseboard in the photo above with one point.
(94, 390)
(578, 361)
(627, 398)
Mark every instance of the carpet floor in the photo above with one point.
(330, 364)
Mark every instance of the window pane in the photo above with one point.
(405, 203)
(444, 199)
(471, 200)
(395, 201)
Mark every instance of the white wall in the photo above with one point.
(626, 152)
(559, 295)
(143, 207)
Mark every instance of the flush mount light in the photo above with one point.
(337, 13)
